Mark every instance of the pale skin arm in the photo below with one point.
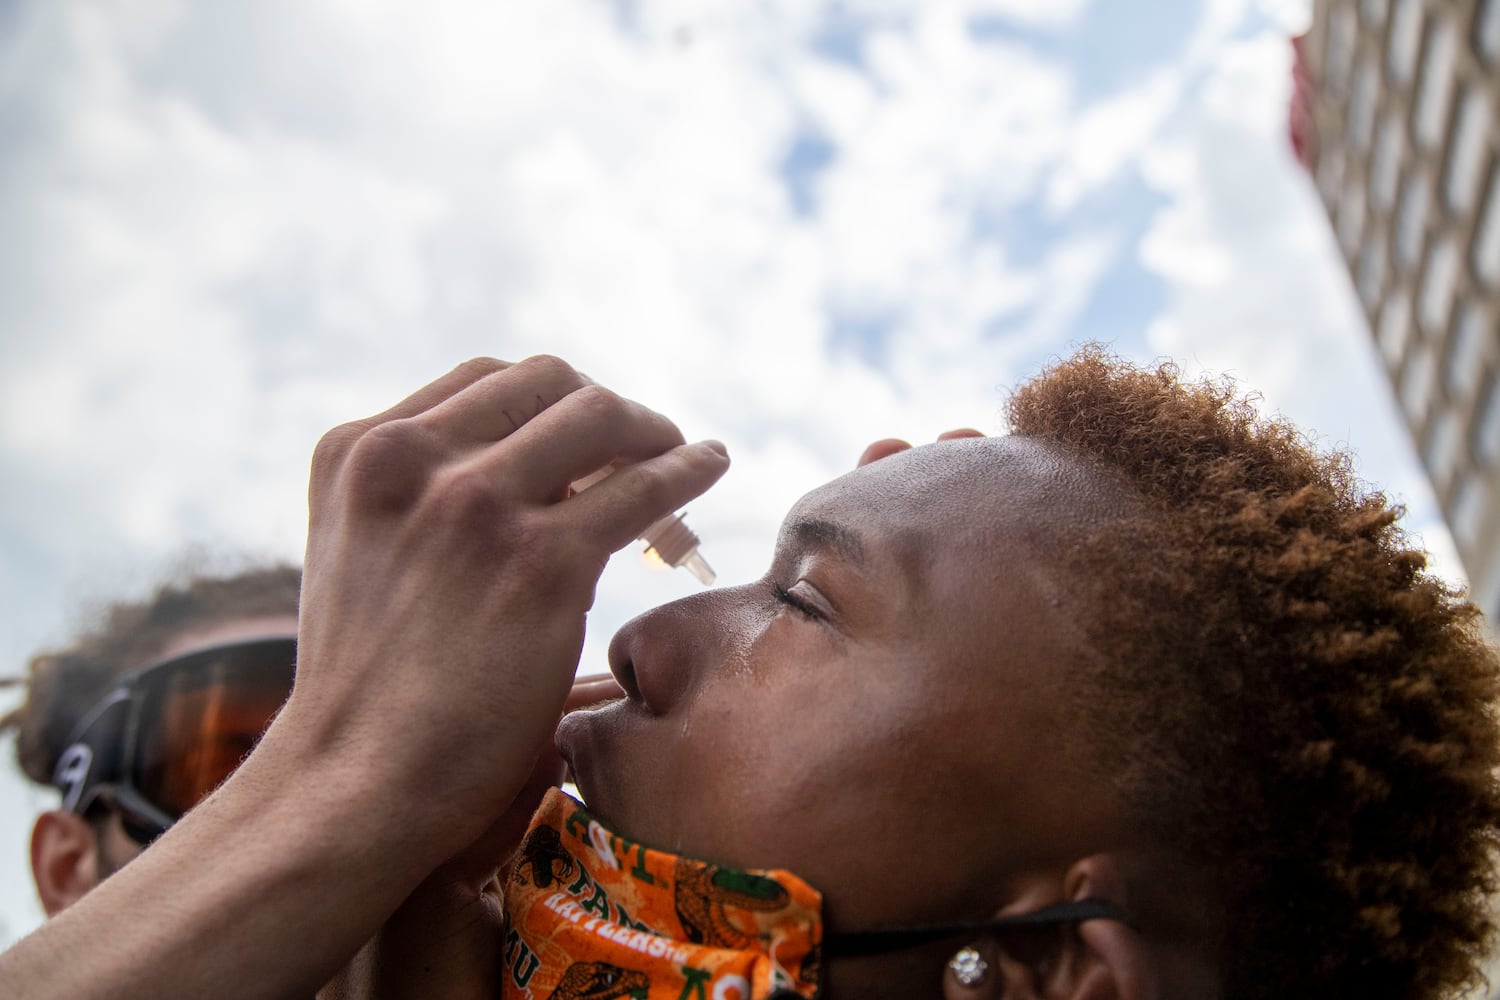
(442, 617)
(445, 939)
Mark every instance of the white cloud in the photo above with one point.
(1293, 17)
(1112, 134)
(1039, 13)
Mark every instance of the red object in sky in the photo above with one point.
(1300, 124)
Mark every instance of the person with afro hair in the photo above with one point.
(1145, 700)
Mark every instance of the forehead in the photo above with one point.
(228, 630)
(977, 600)
(1016, 490)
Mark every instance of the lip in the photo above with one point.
(582, 737)
(573, 727)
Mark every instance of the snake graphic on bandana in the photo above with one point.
(599, 981)
(542, 851)
(704, 890)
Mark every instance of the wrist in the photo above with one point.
(407, 809)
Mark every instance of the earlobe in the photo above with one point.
(64, 859)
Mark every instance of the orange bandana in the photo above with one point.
(595, 917)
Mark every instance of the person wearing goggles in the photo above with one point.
(171, 733)
(1145, 700)
(138, 720)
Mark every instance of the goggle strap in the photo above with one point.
(88, 762)
(149, 821)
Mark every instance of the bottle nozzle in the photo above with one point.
(699, 567)
(676, 545)
(669, 539)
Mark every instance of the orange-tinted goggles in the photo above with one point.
(171, 733)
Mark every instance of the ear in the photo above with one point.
(1113, 960)
(64, 859)
(1096, 960)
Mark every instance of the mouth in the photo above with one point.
(584, 735)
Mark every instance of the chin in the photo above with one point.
(622, 762)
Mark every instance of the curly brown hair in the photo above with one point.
(1312, 713)
(62, 685)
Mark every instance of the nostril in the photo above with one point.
(622, 663)
(657, 656)
(624, 672)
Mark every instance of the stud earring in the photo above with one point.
(968, 967)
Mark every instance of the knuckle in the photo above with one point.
(466, 498)
(332, 447)
(653, 484)
(385, 443)
(552, 369)
(599, 402)
(387, 464)
(478, 368)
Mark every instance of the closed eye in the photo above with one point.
(793, 601)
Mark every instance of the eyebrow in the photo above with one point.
(815, 533)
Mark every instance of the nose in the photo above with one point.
(662, 656)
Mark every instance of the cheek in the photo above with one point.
(780, 770)
(860, 793)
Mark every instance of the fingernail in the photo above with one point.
(717, 446)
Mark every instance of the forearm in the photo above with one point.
(264, 890)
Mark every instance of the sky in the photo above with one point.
(793, 225)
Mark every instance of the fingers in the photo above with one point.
(552, 424)
(437, 391)
(883, 448)
(337, 443)
(590, 691)
(480, 401)
(500, 403)
(886, 447)
(585, 431)
(623, 506)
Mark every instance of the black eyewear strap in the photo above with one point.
(887, 939)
